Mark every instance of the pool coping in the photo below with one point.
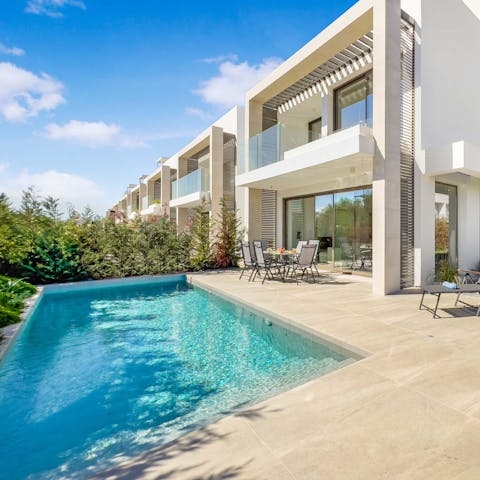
(334, 343)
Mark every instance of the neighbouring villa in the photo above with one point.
(362, 148)
(364, 139)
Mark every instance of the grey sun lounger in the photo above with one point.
(438, 290)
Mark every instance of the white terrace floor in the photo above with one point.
(411, 410)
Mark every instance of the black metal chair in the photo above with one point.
(263, 263)
(249, 263)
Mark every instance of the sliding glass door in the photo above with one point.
(341, 221)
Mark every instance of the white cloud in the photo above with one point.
(3, 167)
(231, 57)
(11, 50)
(69, 188)
(228, 87)
(199, 113)
(24, 94)
(52, 8)
(92, 134)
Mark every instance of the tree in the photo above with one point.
(201, 254)
(226, 237)
(51, 208)
(31, 205)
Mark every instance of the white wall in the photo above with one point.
(450, 71)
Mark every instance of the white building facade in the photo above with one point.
(366, 139)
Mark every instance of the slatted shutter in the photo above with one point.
(269, 217)
(407, 154)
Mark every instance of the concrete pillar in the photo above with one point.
(253, 208)
(182, 217)
(254, 214)
(142, 192)
(386, 162)
(165, 190)
(215, 171)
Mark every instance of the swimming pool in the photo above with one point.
(103, 372)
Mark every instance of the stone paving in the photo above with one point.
(409, 410)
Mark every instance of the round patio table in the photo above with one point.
(283, 260)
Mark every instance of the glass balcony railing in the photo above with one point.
(270, 146)
(196, 181)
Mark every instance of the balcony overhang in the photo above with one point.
(191, 200)
(458, 157)
(339, 35)
(336, 156)
(154, 209)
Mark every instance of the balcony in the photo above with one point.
(281, 157)
(191, 190)
(155, 209)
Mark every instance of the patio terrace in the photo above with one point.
(410, 410)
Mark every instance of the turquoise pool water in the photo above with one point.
(100, 374)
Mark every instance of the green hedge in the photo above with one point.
(13, 293)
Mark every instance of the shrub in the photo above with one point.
(111, 250)
(226, 237)
(13, 292)
(201, 256)
(446, 272)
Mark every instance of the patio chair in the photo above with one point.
(300, 245)
(305, 262)
(263, 263)
(249, 263)
(317, 245)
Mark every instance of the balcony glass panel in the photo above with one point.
(196, 181)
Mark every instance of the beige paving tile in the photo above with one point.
(384, 438)
(228, 449)
(307, 410)
(454, 381)
(405, 361)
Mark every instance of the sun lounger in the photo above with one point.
(439, 290)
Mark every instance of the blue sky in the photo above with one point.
(92, 92)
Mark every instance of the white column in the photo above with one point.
(386, 163)
(165, 190)
(216, 170)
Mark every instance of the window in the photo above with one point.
(341, 221)
(315, 129)
(354, 102)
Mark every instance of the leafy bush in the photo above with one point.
(13, 292)
(446, 272)
(111, 250)
(226, 237)
(36, 244)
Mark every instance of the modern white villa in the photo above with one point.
(366, 139)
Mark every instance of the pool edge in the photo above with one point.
(338, 345)
(31, 304)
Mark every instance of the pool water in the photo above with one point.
(104, 373)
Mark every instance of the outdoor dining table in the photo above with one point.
(283, 259)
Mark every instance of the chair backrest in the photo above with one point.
(300, 245)
(317, 244)
(247, 255)
(307, 255)
(258, 247)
